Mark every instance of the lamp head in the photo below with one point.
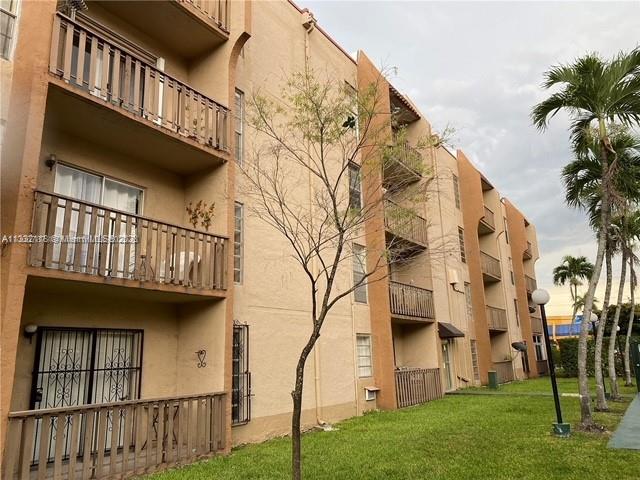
(540, 296)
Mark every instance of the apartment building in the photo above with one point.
(131, 356)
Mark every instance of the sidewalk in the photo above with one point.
(628, 433)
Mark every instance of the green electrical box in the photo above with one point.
(493, 379)
(635, 362)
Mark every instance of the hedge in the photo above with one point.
(568, 356)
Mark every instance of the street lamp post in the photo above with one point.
(541, 297)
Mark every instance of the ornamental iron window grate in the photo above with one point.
(75, 366)
(241, 376)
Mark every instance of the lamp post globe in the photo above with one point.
(540, 296)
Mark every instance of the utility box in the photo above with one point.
(635, 362)
(493, 379)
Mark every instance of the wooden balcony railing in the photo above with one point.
(113, 74)
(405, 223)
(216, 10)
(417, 385)
(536, 324)
(504, 370)
(490, 266)
(489, 219)
(411, 301)
(528, 252)
(497, 319)
(84, 237)
(114, 440)
(530, 283)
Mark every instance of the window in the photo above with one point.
(8, 17)
(355, 187)
(474, 361)
(468, 301)
(240, 376)
(539, 346)
(506, 230)
(515, 305)
(239, 126)
(456, 191)
(365, 368)
(238, 242)
(513, 281)
(359, 271)
(463, 255)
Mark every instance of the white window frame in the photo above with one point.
(538, 345)
(239, 231)
(456, 191)
(364, 360)
(238, 123)
(359, 271)
(12, 13)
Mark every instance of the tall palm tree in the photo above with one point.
(593, 91)
(583, 183)
(633, 236)
(573, 271)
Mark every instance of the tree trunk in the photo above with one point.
(601, 401)
(586, 419)
(627, 341)
(615, 395)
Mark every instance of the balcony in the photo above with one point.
(417, 385)
(406, 231)
(125, 103)
(84, 441)
(528, 252)
(530, 283)
(504, 370)
(497, 319)
(143, 253)
(536, 324)
(207, 22)
(487, 223)
(410, 303)
(490, 267)
(402, 166)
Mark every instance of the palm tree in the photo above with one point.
(579, 303)
(583, 182)
(633, 235)
(593, 91)
(573, 270)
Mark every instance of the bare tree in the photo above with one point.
(315, 175)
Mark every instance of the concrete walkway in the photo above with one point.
(628, 433)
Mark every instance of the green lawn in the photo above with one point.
(565, 385)
(459, 437)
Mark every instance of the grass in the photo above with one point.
(565, 385)
(458, 437)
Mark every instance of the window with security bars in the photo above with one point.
(474, 361)
(365, 366)
(8, 19)
(456, 191)
(241, 376)
(359, 272)
(238, 242)
(463, 254)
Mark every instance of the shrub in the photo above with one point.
(568, 356)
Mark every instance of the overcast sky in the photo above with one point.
(478, 66)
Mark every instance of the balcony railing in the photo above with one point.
(497, 319)
(530, 283)
(417, 385)
(536, 324)
(113, 74)
(490, 266)
(408, 301)
(504, 370)
(528, 252)
(114, 440)
(402, 165)
(543, 367)
(216, 10)
(405, 224)
(139, 248)
(487, 222)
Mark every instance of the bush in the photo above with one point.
(568, 356)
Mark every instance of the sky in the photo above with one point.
(478, 66)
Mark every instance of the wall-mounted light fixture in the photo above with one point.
(51, 161)
(202, 355)
(30, 330)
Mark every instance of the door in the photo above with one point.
(446, 360)
(84, 366)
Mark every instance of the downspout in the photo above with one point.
(504, 290)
